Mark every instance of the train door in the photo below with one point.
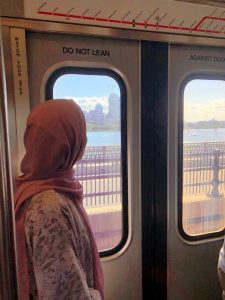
(8, 286)
(195, 171)
(154, 110)
(102, 76)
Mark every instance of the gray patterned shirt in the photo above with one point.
(58, 249)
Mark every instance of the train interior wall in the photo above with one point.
(156, 260)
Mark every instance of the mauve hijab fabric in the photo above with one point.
(54, 139)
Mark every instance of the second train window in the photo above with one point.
(102, 171)
(203, 190)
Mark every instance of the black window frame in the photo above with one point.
(184, 235)
(123, 106)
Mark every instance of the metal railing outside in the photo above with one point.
(99, 172)
(199, 168)
(203, 187)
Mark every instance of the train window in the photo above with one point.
(101, 94)
(203, 158)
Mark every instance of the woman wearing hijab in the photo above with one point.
(56, 252)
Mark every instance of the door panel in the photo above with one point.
(154, 111)
(48, 52)
(8, 282)
(193, 252)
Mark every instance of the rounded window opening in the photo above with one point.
(103, 168)
(203, 159)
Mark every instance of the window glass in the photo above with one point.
(100, 170)
(203, 199)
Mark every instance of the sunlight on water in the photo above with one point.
(204, 135)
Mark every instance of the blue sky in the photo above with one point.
(86, 90)
(204, 100)
(85, 86)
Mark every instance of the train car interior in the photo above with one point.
(149, 77)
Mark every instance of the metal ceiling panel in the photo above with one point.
(161, 16)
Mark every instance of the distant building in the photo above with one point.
(85, 114)
(96, 116)
(114, 109)
(99, 108)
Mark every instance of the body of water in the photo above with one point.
(112, 138)
(204, 135)
(103, 138)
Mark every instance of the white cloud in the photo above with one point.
(89, 103)
(194, 112)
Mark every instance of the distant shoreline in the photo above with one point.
(212, 124)
(105, 127)
(202, 127)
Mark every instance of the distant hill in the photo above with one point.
(103, 127)
(211, 124)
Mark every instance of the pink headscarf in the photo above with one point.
(55, 138)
